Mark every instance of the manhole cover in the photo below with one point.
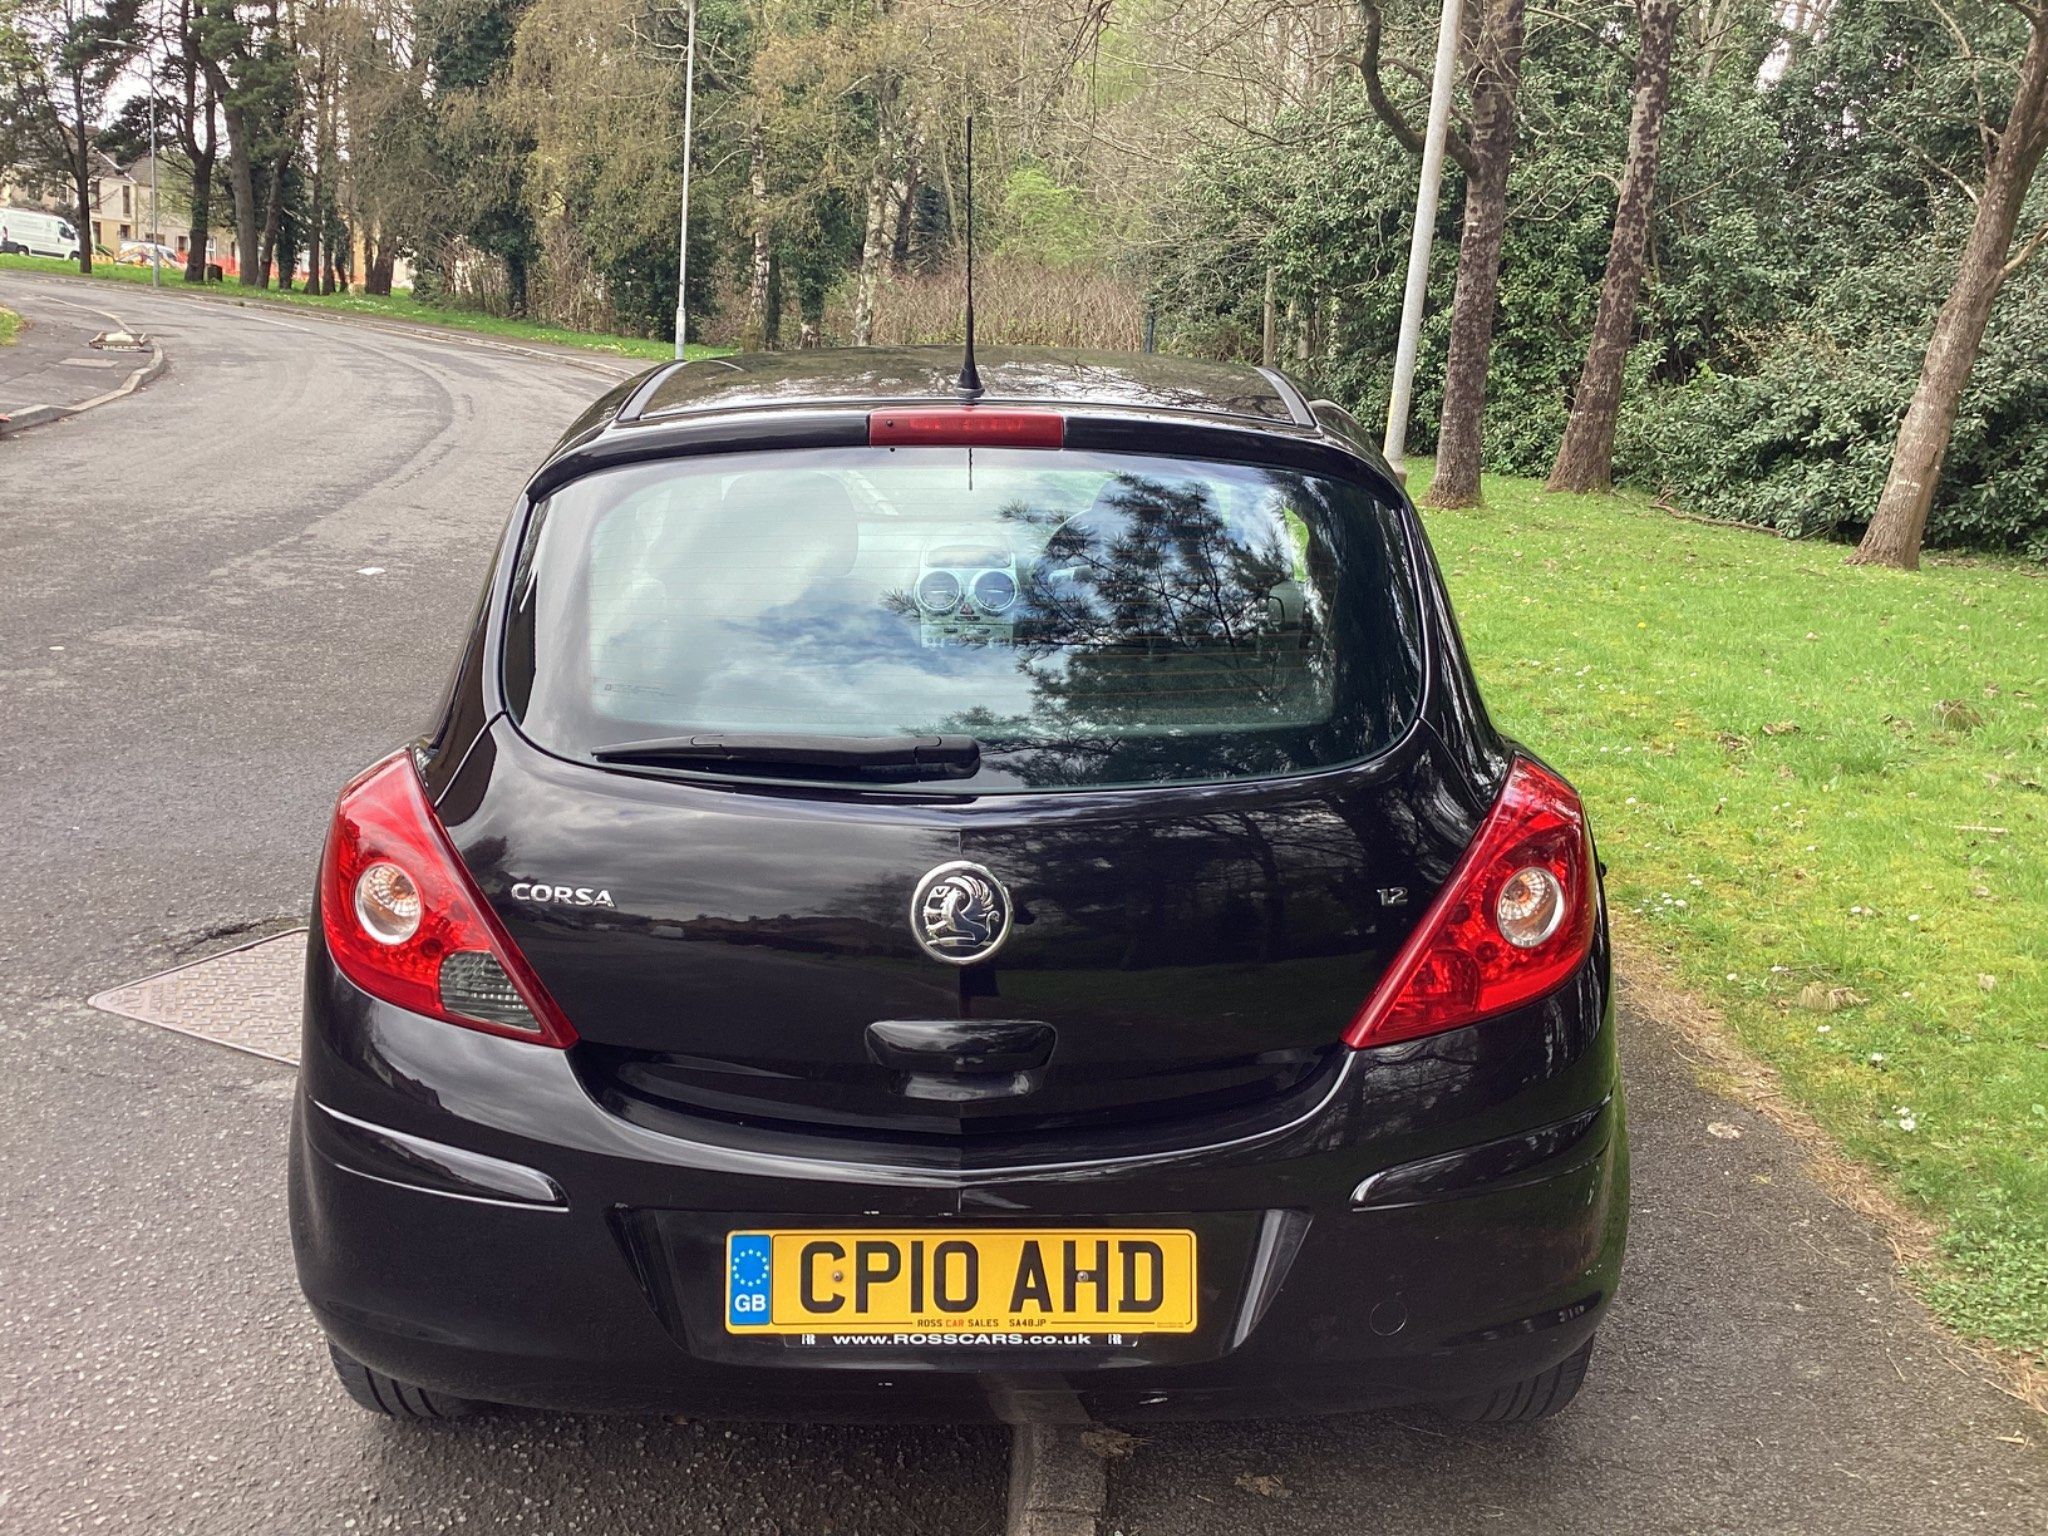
(247, 999)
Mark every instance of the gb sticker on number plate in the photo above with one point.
(954, 1282)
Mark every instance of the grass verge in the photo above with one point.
(397, 307)
(1822, 792)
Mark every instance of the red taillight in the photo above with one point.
(404, 921)
(972, 426)
(1512, 923)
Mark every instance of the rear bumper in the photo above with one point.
(466, 1217)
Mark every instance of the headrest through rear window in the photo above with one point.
(805, 510)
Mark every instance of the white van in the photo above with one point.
(35, 232)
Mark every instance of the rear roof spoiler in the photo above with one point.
(1182, 434)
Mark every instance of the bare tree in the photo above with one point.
(56, 88)
(1585, 459)
(2013, 155)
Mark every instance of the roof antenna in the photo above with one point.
(968, 385)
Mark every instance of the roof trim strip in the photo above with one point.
(1297, 408)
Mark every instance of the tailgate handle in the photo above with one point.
(966, 1046)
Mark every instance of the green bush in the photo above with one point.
(1802, 444)
(1805, 236)
(1046, 222)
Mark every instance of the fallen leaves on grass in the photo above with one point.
(1819, 997)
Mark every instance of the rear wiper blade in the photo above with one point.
(854, 757)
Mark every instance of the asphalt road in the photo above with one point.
(52, 362)
(194, 661)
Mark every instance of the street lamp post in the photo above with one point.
(156, 243)
(1396, 443)
(689, 127)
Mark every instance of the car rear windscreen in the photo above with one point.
(1088, 619)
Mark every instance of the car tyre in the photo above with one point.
(1524, 1402)
(394, 1398)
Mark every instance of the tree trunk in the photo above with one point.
(81, 191)
(266, 243)
(377, 280)
(316, 216)
(200, 152)
(1716, 21)
(201, 232)
(326, 107)
(287, 252)
(1497, 83)
(316, 222)
(873, 246)
(1900, 521)
(272, 213)
(874, 243)
(516, 283)
(902, 196)
(1585, 459)
(78, 154)
(755, 335)
(242, 186)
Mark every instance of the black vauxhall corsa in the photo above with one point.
(923, 910)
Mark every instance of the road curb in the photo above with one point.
(33, 416)
(613, 365)
(1058, 1483)
(42, 415)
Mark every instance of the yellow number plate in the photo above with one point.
(992, 1280)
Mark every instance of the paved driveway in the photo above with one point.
(195, 658)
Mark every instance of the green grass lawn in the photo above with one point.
(398, 307)
(1823, 794)
(10, 327)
